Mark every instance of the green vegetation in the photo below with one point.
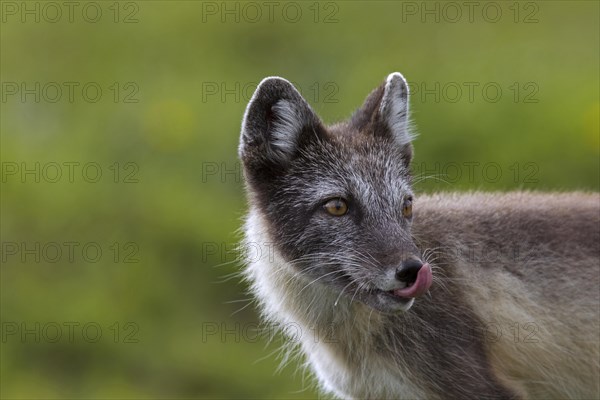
(164, 135)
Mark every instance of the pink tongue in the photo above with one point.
(421, 285)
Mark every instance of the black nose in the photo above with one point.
(407, 273)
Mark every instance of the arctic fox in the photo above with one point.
(390, 294)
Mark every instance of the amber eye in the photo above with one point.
(336, 207)
(407, 208)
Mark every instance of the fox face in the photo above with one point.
(337, 199)
(336, 205)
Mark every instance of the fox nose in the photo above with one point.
(408, 271)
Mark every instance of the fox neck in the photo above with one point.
(335, 331)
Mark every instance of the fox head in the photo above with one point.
(337, 200)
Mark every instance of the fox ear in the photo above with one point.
(385, 114)
(275, 118)
(393, 109)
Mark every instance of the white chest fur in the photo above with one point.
(336, 335)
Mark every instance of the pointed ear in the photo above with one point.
(385, 114)
(393, 110)
(275, 118)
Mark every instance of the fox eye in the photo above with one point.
(336, 207)
(407, 207)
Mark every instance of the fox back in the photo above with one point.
(393, 295)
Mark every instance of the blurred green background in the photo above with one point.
(143, 253)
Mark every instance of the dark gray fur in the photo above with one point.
(548, 244)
